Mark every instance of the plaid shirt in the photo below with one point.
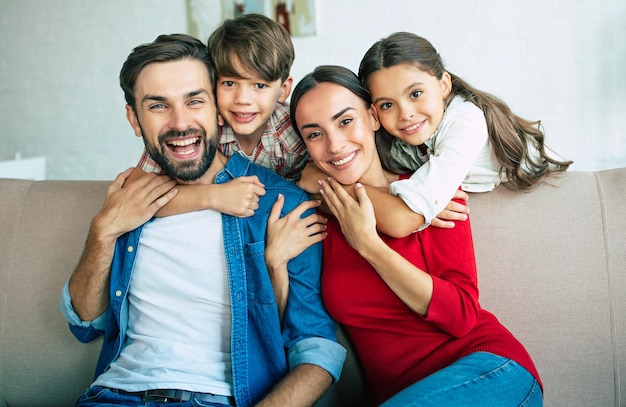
(280, 149)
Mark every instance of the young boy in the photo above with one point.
(253, 55)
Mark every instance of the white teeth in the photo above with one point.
(183, 143)
(413, 127)
(344, 160)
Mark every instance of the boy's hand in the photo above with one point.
(454, 211)
(309, 180)
(240, 197)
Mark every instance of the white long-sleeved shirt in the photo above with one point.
(459, 154)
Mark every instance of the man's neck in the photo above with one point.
(219, 162)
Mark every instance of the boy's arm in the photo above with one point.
(239, 197)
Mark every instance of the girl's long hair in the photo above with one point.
(513, 138)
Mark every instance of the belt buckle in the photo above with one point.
(161, 396)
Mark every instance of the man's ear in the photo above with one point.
(131, 116)
(285, 89)
(446, 84)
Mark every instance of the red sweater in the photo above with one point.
(396, 346)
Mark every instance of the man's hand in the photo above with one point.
(129, 205)
(454, 211)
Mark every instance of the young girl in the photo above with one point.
(446, 131)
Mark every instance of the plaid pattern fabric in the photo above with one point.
(280, 149)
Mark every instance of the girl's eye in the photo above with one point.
(385, 106)
(415, 94)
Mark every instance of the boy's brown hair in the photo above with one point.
(256, 43)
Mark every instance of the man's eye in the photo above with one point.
(195, 102)
(157, 106)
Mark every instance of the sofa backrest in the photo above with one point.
(552, 267)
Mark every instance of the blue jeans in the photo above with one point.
(102, 397)
(480, 379)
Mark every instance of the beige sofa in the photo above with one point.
(552, 266)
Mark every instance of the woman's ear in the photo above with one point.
(131, 116)
(446, 84)
(375, 121)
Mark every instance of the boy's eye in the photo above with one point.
(415, 94)
(228, 83)
(261, 85)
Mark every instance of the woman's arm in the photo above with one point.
(286, 238)
(446, 295)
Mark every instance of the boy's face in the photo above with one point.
(247, 102)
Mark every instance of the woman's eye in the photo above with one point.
(345, 121)
(416, 94)
(312, 135)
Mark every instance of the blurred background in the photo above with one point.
(61, 107)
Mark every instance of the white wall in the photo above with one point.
(562, 63)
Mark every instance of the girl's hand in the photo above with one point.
(456, 210)
(310, 177)
(356, 216)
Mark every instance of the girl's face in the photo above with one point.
(338, 130)
(409, 101)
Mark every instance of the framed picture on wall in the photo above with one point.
(297, 16)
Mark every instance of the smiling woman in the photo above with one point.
(408, 305)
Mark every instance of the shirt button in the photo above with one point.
(118, 293)
(130, 249)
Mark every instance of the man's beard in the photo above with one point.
(183, 171)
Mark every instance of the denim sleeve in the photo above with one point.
(84, 331)
(309, 333)
(325, 353)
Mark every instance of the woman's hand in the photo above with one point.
(356, 216)
(286, 238)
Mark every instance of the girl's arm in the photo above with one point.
(393, 217)
(238, 197)
(447, 296)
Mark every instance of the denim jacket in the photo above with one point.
(262, 352)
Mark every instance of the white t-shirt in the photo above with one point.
(179, 315)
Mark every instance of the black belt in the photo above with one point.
(171, 395)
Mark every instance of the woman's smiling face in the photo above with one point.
(338, 130)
